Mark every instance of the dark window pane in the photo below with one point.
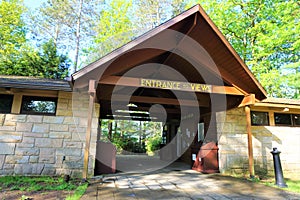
(6, 101)
(296, 120)
(39, 105)
(282, 119)
(259, 118)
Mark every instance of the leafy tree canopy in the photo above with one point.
(17, 56)
(265, 33)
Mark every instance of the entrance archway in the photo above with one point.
(185, 66)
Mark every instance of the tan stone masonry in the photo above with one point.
(52, 145)
(233, 152)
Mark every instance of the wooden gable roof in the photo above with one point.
(193, 23)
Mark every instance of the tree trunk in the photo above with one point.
(78, 35)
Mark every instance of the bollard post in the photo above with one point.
(277, 168)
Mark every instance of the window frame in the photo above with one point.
(38, 98)
(268, 118)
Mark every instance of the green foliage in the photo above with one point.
(53, 65)
(12, 32)
(80, 190)
(39, 183)
(17, 57)
(266, 35)
(113, 29)
(153, 144)
(69, 23)
(293, 185)
(46, 63)
(132, 136)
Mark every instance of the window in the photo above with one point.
(287, 119)
(259, 118)
(200, 132)
(38, 105)
(296, 119)
(283, 119)
(6, 101)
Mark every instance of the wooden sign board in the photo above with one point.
(175, 85)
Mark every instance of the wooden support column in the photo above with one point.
(92, 94)
(17, 102)
(250, 145)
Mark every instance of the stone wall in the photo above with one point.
(233, 145)
(48, 145)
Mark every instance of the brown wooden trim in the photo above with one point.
(248, 100)
(136, 82)
(274, 105)
(92, 95)
(16, 105)
(168, 110)
(40, 93)
(158, 100)
(250, 145)
(271, 118)
(276, 109)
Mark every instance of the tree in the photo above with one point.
(12, 32)
(113, 29)
(68, 22)
(151, 13)
(17, 57)
(46, 63)
(54, 66)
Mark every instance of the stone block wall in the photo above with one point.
(48, 145)
(233, 145)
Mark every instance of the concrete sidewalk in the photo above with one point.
(177, 183)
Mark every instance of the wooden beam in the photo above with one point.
(136, 82)
(143, 108)
(248, 100)
(250, 145)
(92, 94)
(159, 100)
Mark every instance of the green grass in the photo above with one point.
(43, 184)
(39, 183)
(293, 185)
(80, 190)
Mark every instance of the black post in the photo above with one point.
(277, 168)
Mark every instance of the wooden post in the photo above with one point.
(250, 146)
(92, 93)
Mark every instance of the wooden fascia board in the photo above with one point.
(274, 105)
(135, 82)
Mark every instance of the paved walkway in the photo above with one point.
(177, 183)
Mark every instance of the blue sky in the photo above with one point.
(33, 3)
